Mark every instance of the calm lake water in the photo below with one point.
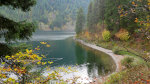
(64, 52)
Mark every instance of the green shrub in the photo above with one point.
(119, 50)
(116, 49)
(106, 35)
(127, 62)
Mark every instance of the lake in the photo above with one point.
(64, 52)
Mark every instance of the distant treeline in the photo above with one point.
(54, 13)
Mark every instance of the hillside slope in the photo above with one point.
(49, 14)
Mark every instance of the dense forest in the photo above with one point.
(48, 14)
(114, 15)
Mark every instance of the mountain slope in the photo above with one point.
(52, 14)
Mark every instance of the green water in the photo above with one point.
(67, 52)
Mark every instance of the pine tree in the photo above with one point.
(96, 11)
(102, 12)
(95, 15)
(89, 17)
(127, 20)
(80, 21)
(112, 15)
(11, 30)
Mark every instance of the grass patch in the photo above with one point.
(137, 60)
(127, 62)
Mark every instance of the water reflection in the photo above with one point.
(80, 54)
(66, 52)
(98, 63)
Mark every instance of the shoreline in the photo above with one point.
(117, 58)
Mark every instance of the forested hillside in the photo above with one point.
(130, 15)
(49, 14)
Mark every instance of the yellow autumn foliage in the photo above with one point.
(123, 34)
(29, 57)
(106, 35)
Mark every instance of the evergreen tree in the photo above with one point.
(102, 11)
(95, 15)
(80, 21)
(129, 14)
(89, 17)
(112, 15)
(96, 11)
(11, 30)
